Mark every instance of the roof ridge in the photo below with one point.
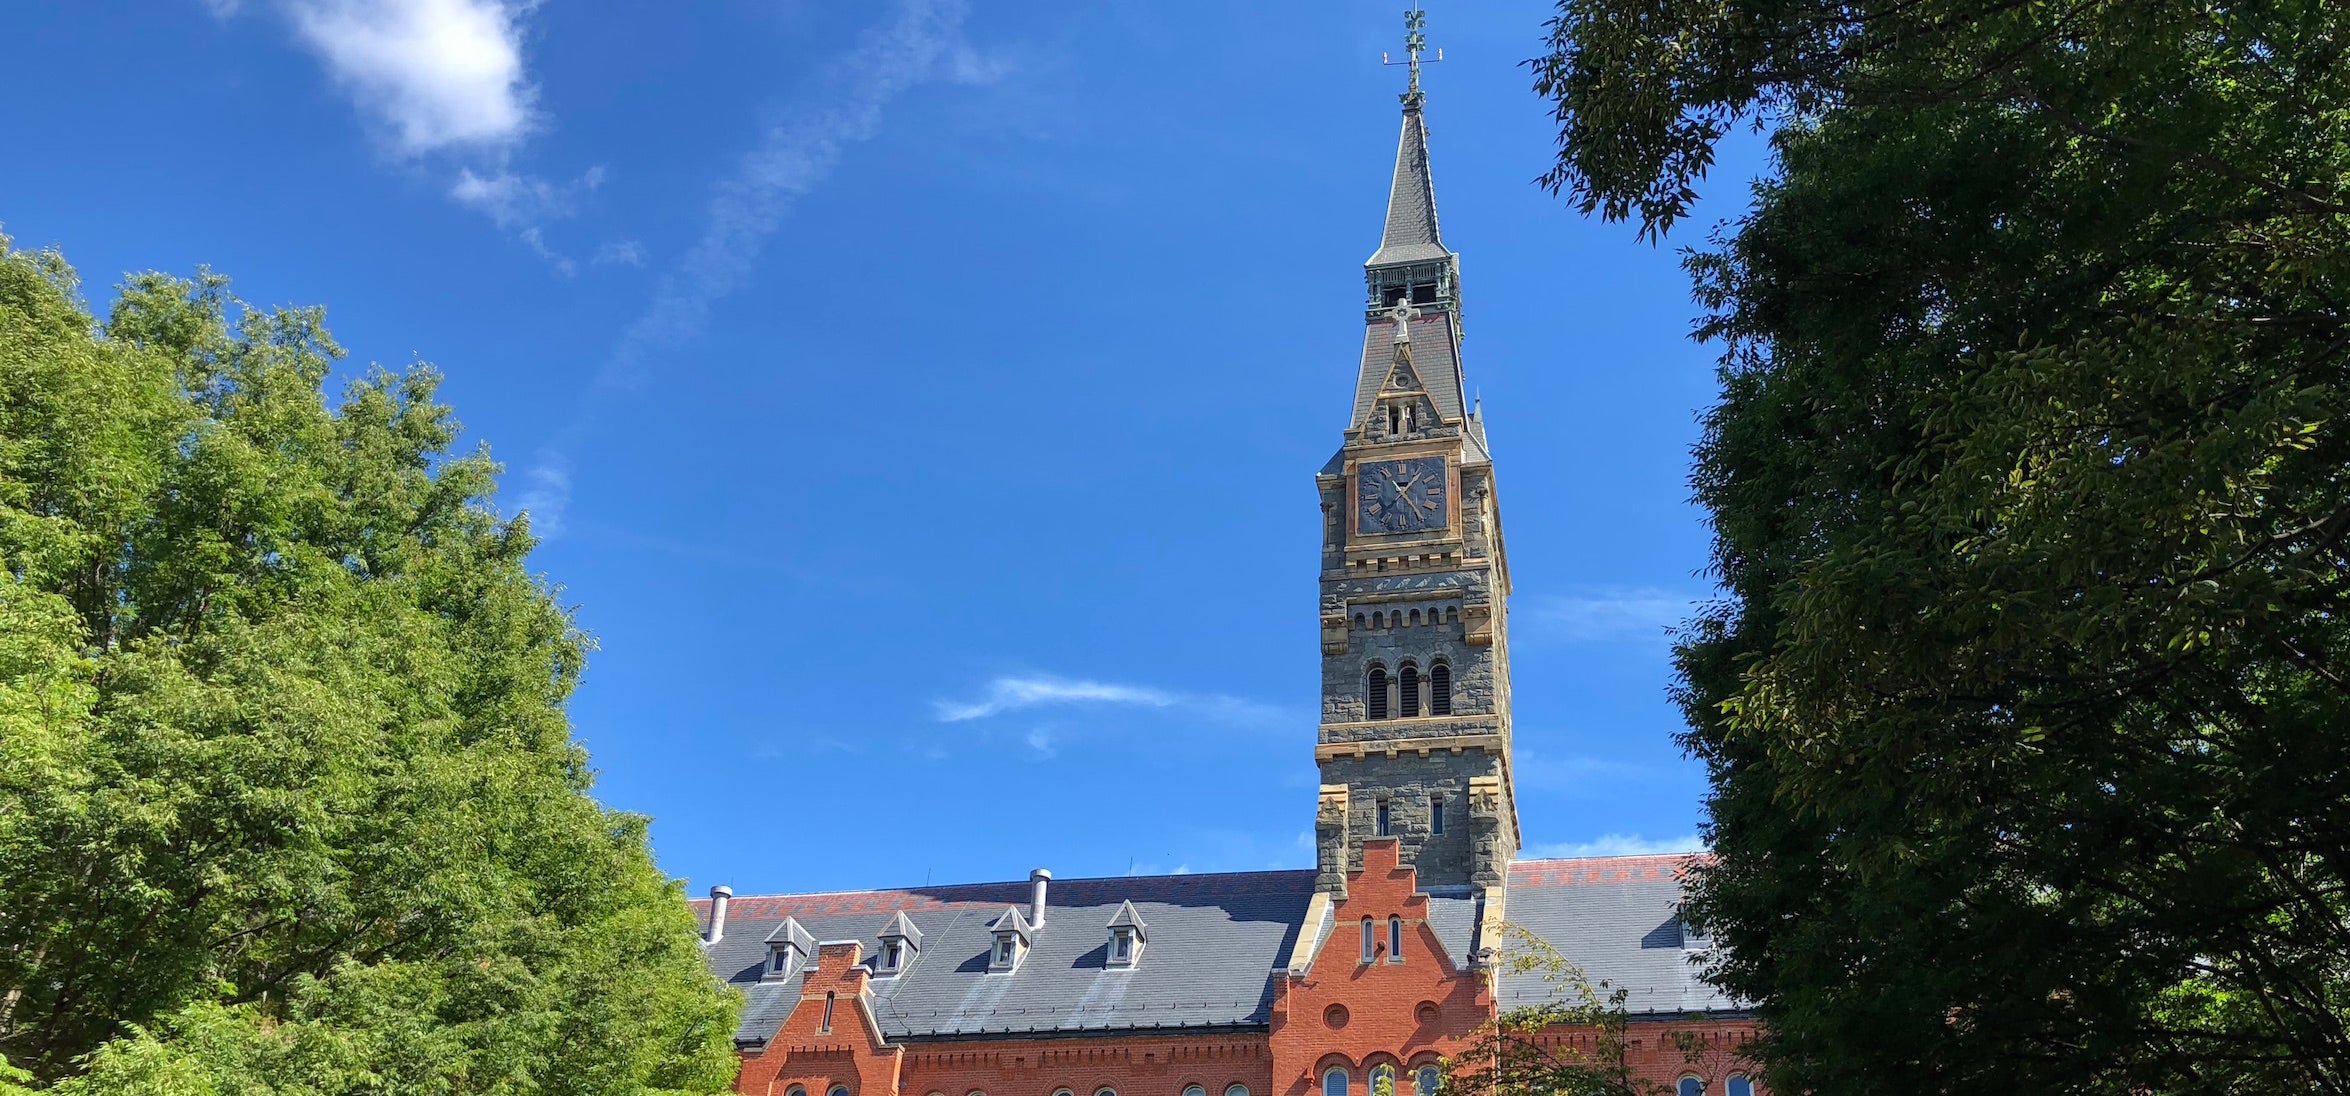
(1057, 884)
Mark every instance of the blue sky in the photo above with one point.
(921, 399)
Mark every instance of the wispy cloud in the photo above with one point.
(921, 42)
(545, 494)
(1013, 694)
(434, 74)
(1604, 614)
(1619, 844)
(794, 155)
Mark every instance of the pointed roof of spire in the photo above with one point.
(1411, 203)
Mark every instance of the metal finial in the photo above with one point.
(1414, 41)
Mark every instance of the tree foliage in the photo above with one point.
(2027, 705)
(288, 802)
(1570, 1043)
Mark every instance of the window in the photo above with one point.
(1236, 1090)
(892, 952)
(1194, 1090)
(1003, 952)
(1376, 691)
(1122, 949)
(1689, 1086)
(1106, 1092)
(1370, 937)
(826, 1025)
(1738, 1085)
(1411, 690)
(1395, 939)
(837, 1090)
(779, 960)
(1383, 1081)
(795, 1090)
(1382, 818)
(1435, 814)
(1334, 1078)
(1427, 1080)
(1440, 689)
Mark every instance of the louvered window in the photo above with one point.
(1411, 690)
(1440, 689)
(1375, 692)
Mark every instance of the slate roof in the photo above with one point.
(1411, 234)
(1614, 918)
(1215, 942)
(1436, 357)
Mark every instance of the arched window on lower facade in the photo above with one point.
(1195, 1090)
(1375, 692)
(1440, 689)
(1738, 1085)
(1334, 1080)
(1236, 1090)
(1426, 1080)
(1689, 1086)
(1383, 1081)
(1410, 676)
(837, 1090)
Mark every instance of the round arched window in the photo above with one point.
(1195, 1090)
(1427, 1080)
(1334, 1081)
(838, 1090)
(1236, 1090)
(1383, 1081)
(1738, 1085)
(1689, 1086)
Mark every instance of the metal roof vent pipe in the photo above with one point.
(1037, 881)
(718, 896)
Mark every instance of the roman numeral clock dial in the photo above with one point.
(1400, 496)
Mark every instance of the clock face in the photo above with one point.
(1400, 496)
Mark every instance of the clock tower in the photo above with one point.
(1414, 741)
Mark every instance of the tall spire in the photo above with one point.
(1411, 204)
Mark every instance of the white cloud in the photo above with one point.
(620, 253)
(1011, 694)
(1619, 844)
(436, 74)
(549, 491)
(513, 200)
(1610, 613)
(791, 159)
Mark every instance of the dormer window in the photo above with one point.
(788, 949)
(1011, 941)
(900, 942)
(1127, 935)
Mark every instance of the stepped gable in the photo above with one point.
(1214, 939)
(1615, 917)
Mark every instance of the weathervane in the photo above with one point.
(1413, 42)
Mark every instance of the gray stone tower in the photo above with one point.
(1415, 734)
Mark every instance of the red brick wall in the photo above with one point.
(1356, 1015)
(1664, 1051)
(805, 1053)
(1133, 1065)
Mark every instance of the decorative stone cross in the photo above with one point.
(1402, 314)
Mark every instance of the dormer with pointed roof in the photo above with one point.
(901, 941)
(1012, 935)
(788, 949)
(1127, 936)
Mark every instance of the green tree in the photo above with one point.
(1511, 1055)
(2027, 702)
(288, 800)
